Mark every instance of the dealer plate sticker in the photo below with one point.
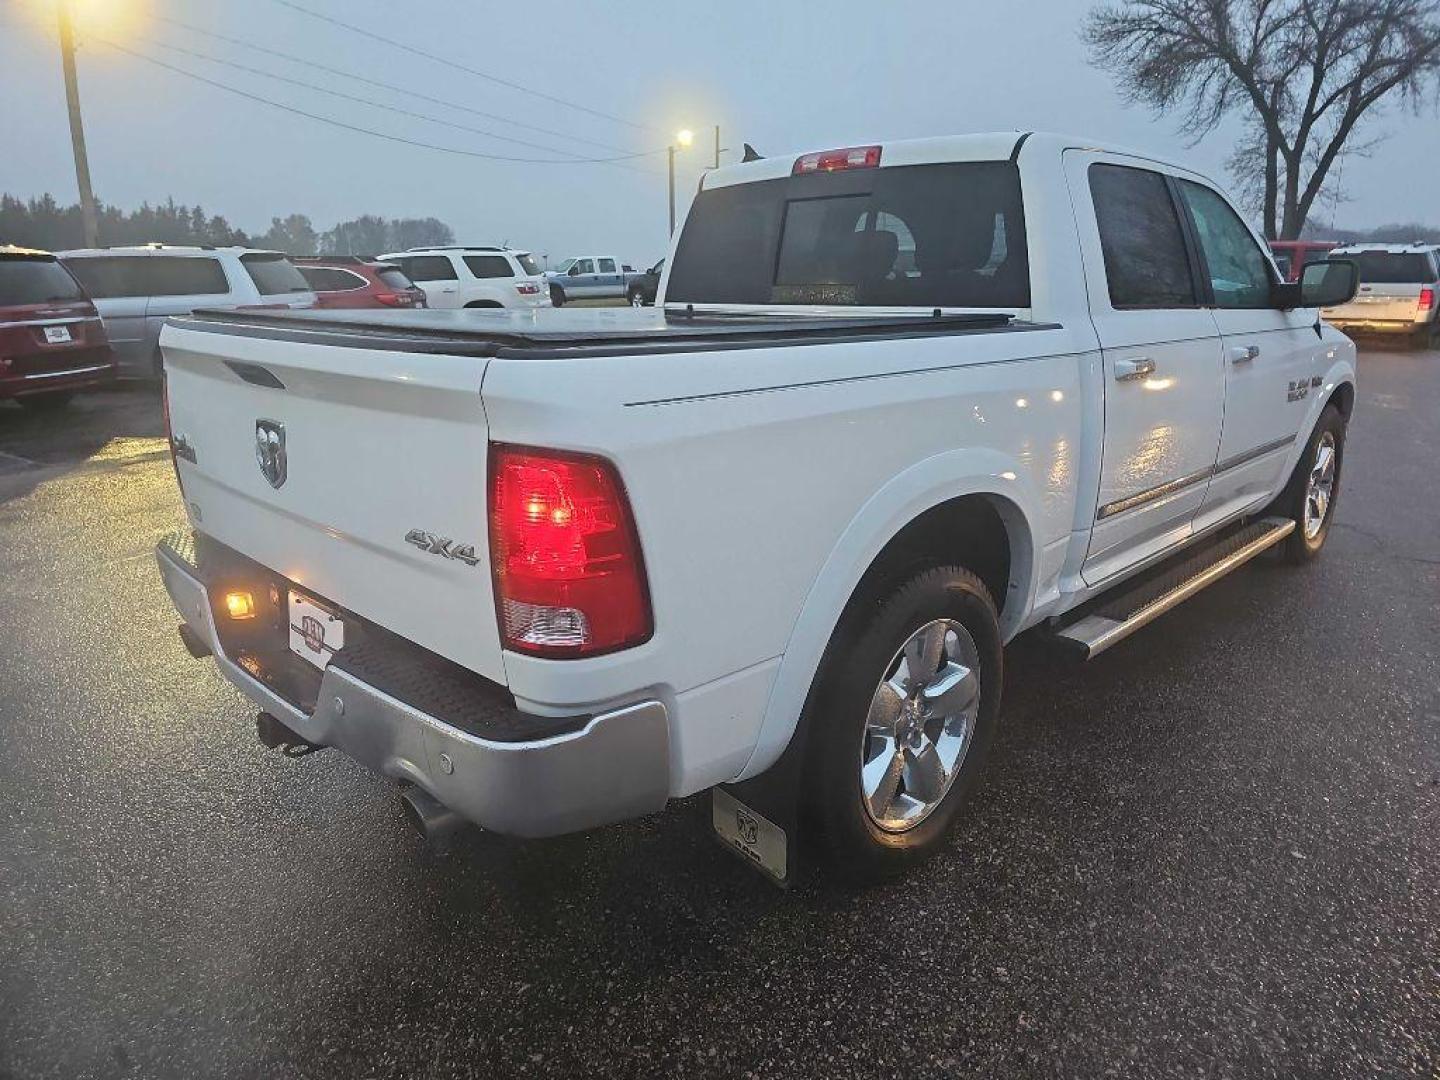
(754, 836)
(57, 335)
(315, 633)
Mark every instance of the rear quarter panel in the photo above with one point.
(764, 481)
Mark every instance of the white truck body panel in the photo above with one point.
(764, 479)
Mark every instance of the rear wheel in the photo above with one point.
(902, 722)
(1314, 488)
(636, 298)
(557, 296)
(57, 399)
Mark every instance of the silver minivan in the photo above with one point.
(137, 288)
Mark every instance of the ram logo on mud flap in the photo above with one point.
(442, 546)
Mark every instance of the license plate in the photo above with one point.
(758, 839)
(316, 633)
(57, 335)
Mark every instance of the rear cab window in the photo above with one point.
(947, 235)
(274, 275)
(35, 279)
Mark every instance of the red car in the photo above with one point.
(349, 281)
(1292, 256)
(52, 341)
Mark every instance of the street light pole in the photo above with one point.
(670, 153)
(77, 129)
(683, 138)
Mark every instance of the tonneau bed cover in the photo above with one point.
(488, 332)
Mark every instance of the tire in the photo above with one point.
(50, 402)
(557, 296)
(1299, 502)
(865, 836)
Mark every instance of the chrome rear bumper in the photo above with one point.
(615, 767)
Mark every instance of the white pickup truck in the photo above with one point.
(898, 404)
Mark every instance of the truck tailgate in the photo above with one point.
(377, 443)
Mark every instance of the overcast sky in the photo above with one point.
(784, 75)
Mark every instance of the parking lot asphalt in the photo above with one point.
(1214, 851)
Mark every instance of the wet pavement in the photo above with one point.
(1213, 851)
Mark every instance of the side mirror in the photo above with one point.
(1329, 284)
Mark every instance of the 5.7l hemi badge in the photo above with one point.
(442, 546)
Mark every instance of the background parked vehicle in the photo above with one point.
(351, 281)
(136, 289)
(641, 292)
(1292, 256)
(474, 277)
(52, 342)
(1398, 283)
(590, 277)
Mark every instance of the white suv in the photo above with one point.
(474, 277)
(1398, 291)
(136, 289)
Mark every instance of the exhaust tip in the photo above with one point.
(433, 820)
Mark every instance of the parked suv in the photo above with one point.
(350, 281)
(1398, 283)
(474, 277)
(137, 288)
(52, 342)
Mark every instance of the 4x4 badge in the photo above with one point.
(442, 546)
(270, 451)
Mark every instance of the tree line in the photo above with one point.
(44, 223)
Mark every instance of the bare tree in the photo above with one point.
(1304, 73)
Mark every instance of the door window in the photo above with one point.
(489, 266)
(429, 268)
(1146, 264)
(1239, 272)
(607, 266)
(111, 276)
(584, 266)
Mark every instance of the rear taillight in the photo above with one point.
(1427, 298)
(569, 578)
(527, 288)
(850, 157)
(391, 299)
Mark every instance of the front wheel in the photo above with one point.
(1314, 488)
(557, 296)
(902, 721)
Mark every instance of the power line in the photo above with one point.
(379, 84)
(375, 104)
(462, 67)
(342, 124)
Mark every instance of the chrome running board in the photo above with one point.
(1141, 604)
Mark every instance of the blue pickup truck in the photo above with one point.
(590, 277)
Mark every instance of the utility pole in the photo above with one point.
(670, 152)
(718, 148)
(77, 129)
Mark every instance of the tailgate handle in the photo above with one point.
(255, 374)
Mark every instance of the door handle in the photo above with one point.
(1126, 370)
(1243, 354)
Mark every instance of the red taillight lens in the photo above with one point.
(850, 157)
(390, 299)
(569, 578)
(527, 288)
(1427, 298)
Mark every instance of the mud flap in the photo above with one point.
(759, 819)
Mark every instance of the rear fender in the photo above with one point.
(918, 489)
